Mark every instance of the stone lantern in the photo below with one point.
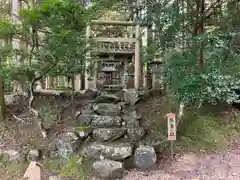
(156, 71)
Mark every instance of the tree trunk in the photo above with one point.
(198, 28)
(201, 31)
(16, 44)
(2, 101)
(195, 14)
(73, 86)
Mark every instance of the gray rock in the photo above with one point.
(120, 95)
(107, 109)
(145, 157)
(84, 119)
(10, 156)
(33, 155)
(107, 98)
(123, 105)
(113, 151)
(106, 121)
(143, 93)
(90, 93)
(135, 115)
(134, 131)
(131, 96)
(106, 134)
(12, 98)
(66, 144)
(131, 115)
(87, 109)
(108, 169)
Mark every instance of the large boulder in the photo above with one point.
(143, 93)
(134, 131)
(84, 119)
(107, 109)
(131, 96)
(107, 98)
(144, 157)
(106, 121)
(131, 115)
(108, 134)
(90, 93)
(33, 155)
(120, 94)
(87, 108)
(13, 98)
(108, 169)
(65, 144)
(113, 151)
(11, 156)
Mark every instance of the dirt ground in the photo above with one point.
(191, 166)
(224, 165)
(199, 166)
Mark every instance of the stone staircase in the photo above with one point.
(108, 131)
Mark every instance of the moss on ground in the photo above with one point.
(207, 133)
(199, 131)
(76, 167)
(203, 129)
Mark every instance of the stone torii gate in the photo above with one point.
(91, 82)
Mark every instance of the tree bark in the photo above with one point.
(2, 100)
(198, 28)
(201, 31)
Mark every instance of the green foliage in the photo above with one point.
(191, 81)
(76, 167)
(213, 83)
(63, 47)
(55, 33)
(7, 29)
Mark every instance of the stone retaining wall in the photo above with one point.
(108, 131)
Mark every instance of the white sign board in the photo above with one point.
(171, 120)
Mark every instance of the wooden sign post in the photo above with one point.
(33, 171)
(171, 121)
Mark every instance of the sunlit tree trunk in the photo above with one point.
(16, 44)
(36, 37)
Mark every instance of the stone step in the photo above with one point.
(107, 109)
(108, 169)
(107, 98)
(101, 150)
(108, 134)
(106, 121)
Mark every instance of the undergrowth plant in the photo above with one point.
(216, 82)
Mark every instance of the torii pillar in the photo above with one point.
(137, 62)
(87, 63)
